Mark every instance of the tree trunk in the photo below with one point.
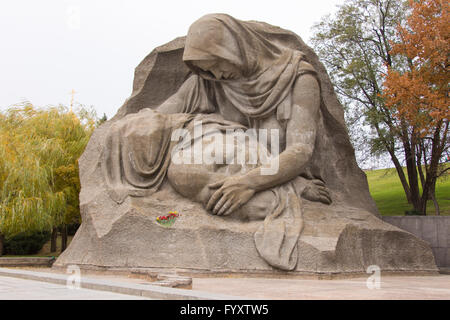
(436, 204)
(401, 176)
(419, 152)
(429, 190)
(389, 146)
(53, 240)
(2, 241)
(412, 175)
(423, 206)
(63, 237)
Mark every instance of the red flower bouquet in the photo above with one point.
(169, 220)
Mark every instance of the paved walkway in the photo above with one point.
(101, 282)
(20, 289)
(391, 287)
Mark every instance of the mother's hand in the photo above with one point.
(230, 195)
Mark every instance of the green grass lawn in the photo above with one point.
(387, 191)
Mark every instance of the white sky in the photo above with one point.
(49, 47)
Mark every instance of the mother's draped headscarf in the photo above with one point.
(268, 69)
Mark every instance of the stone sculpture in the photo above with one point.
(305, 208)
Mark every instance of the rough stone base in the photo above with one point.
(336, 239)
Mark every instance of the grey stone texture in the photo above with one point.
(344, 237)
(434, 230)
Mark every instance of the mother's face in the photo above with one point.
(220, 69)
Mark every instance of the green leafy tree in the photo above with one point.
(102, 120)
(355, 45)
(39, 151)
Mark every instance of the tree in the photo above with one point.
(39, 150)
(1, 243)
(26, 199)
(418, 96)
(355, 46)
(102, 120)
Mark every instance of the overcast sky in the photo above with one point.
(49, 47)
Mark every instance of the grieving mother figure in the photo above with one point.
(258, 84)
(240, 80)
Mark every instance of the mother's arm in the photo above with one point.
(300, 139)
(174, 104)
(191, 97)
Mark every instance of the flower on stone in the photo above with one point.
(168, 220)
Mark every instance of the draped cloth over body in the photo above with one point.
(137, 149)
(269, 71)
(136, 153)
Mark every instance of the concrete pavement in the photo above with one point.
(390, 287)
(122, 286)
(21, 284)
(21, 289)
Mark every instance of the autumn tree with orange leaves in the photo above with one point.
(418, 96)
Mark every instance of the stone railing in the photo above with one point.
(26, 261)
(433, 229)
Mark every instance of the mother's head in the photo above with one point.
(220, 69)
(219, 47)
